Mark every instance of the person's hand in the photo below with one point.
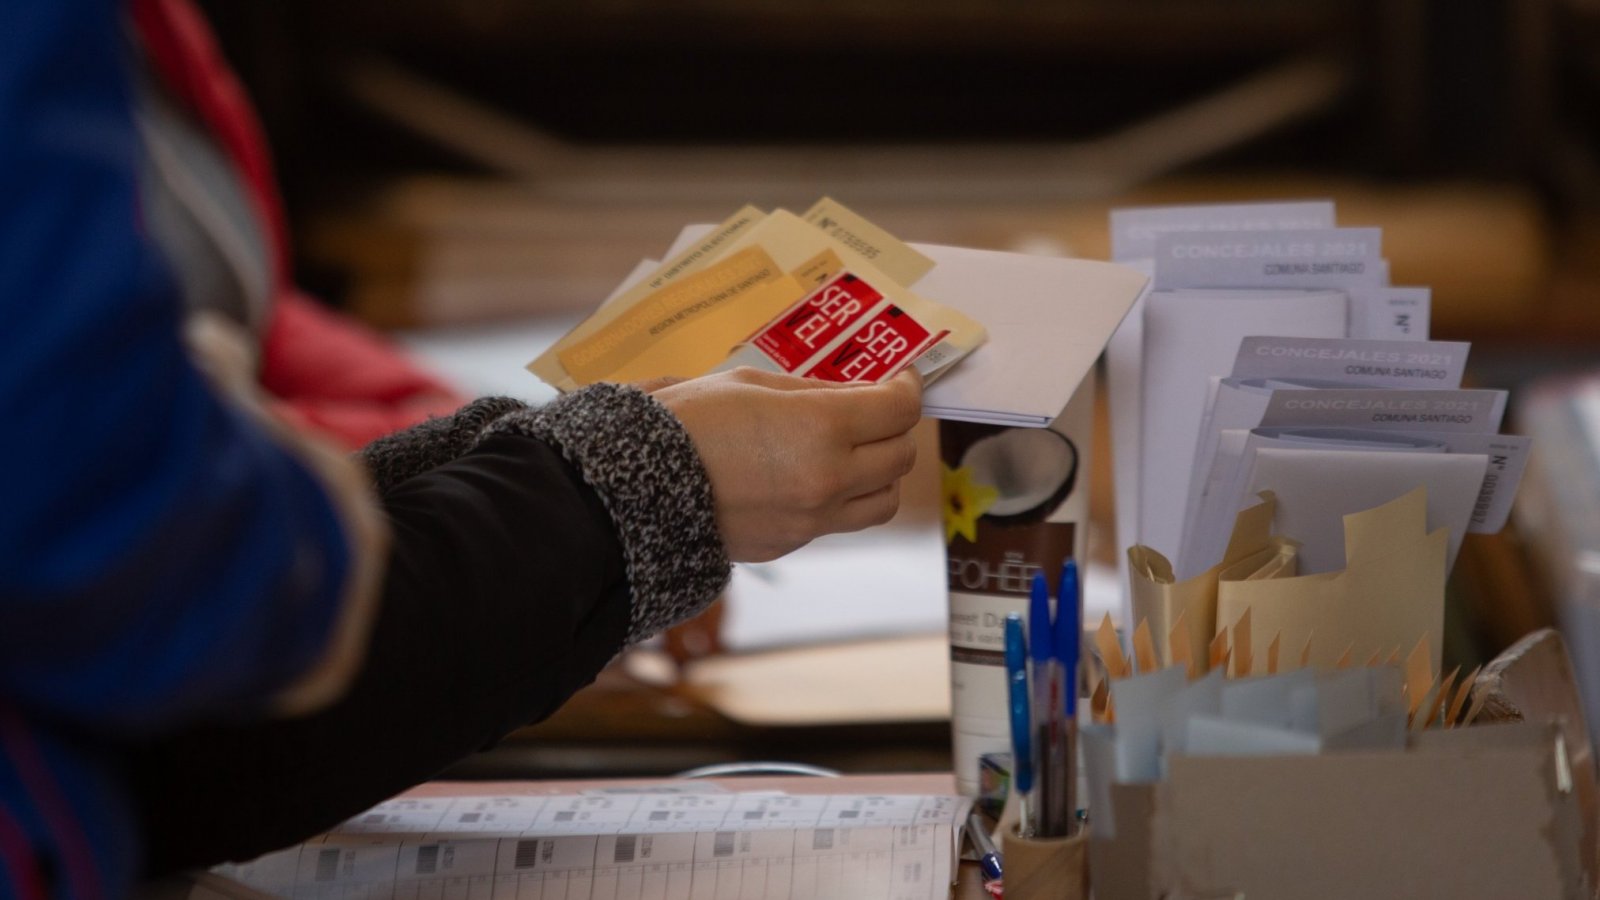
(791, 459)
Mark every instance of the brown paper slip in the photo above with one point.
(1390, 593)
(1160, 598)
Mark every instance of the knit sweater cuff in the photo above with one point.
(397, 457)
(640, 460)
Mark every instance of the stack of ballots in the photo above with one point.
(1271, 354)
(827, 294)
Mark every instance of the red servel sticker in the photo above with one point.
(882, 347)
(809, 325)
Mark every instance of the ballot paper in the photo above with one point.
(1235, 250)
(699, 845)
(1191, 337)
(1134, 232)
(1218, 491)
(1316, 488)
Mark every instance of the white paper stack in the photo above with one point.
(1272, 354)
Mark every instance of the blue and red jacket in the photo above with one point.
(162, 559)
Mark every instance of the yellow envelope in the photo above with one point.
(548, 364)
(792, 243)
(687, 327)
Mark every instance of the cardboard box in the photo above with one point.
(1480, 812)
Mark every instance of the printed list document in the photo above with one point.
(610, 846)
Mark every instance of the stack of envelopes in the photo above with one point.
(827, 294)
(1272, 354)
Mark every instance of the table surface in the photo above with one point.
(969, 880)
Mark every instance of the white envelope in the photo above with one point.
(1234, 404)
(1048, 320)
(1206, 533)
(1189, 338)
(1134, 232)
(1124, 395)
(1316, 488)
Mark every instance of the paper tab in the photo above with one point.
(1390, 313)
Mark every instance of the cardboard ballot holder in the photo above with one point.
(1478, 812)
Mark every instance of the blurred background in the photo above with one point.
(474, 176)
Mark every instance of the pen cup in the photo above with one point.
(1046, 868)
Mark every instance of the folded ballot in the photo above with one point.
(828, 295)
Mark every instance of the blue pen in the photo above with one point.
(1069, 631)
(1021, 719)
(1041, 654)
(1069, 645)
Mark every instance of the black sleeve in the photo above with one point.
(392, 459)
(506, 592)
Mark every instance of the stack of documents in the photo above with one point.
(827, 294)
(1272, 354)
(686, 843)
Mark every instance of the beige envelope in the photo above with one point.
(548, 366)
(1390, 593)
(789, 241)
(1160, 599)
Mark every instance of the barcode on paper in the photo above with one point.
(626, 845)
(527, 855)
(327, 865)
(469, 818)
(722, 844)
(427, 859)
(822, 839)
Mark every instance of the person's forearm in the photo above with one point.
(518, 570)
(504, 595)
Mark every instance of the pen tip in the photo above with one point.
(1039, 636)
